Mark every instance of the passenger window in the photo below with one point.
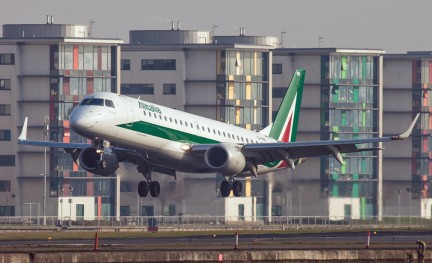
(219, 133)
(165, 118)
(145, 113)
(160, 117)
(186, 124)
(208, 129)
(170, 119)
(202, 127)
(175, 120)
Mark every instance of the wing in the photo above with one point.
(262, 153)
(22, 139)
(74, 150)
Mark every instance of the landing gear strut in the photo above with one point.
(145, 186)
(227, 186)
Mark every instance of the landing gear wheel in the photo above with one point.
(237, 188)
(143, 189)
(103, 164)
(154, 189)
(225, 189)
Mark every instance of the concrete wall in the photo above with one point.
(215, 256)
(66, 209)
(157, 77)
(336, 207)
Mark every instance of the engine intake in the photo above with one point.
(225, 158)
(90, 161)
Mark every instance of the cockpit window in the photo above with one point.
(85, 101)
(109, 103)
(97, 102)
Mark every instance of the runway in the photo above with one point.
(213, 242)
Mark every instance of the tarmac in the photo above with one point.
(384, 246)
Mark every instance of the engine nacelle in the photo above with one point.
(225, 158)
(89, 159)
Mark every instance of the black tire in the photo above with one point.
(237, 188)
(154, 189)
(103, 164)
(143, 189)
(225, 189)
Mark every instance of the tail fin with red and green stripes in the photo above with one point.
(284, 127)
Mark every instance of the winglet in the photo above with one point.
(408, 132)
(23, 135)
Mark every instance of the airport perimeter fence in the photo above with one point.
(215, 222)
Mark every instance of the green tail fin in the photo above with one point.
(284, 128)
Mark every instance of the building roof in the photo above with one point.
(317, 51)
(171, 47)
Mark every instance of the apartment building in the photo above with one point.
(45, 70)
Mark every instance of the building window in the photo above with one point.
(137, 89)
(277, 210)
(147, 210)
(279, 92)
(5, 84)
(7, 160)
(125, 64)
(277, 68)
(7, 210)
(126, 187)
(169, 88)
(5, 109)
(5, 135)
(124, 210)
(169, 210)
(5, 185)
(241, 212)
(80, 211)
(7, 59)
(158, 64)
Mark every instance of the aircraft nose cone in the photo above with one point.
(79, 122)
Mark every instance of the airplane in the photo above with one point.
(164, 140)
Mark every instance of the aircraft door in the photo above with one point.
(129, 109)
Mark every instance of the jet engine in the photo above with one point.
(90, 160)
(225, 158)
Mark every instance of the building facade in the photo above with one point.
(407, 169)
(204, 75)
(342, 100)
(45, 70)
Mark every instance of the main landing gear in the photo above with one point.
(228, 185)
(145, 186)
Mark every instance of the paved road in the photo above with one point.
(309, 241)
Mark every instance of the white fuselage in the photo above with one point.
(161, 134)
